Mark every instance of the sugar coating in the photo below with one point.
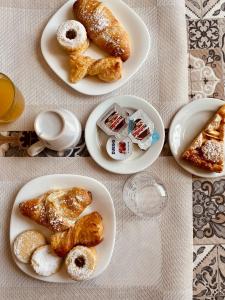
(98, 23)
(80, 38)
(44, 261)
(97, 20)
(81, 273)
(25, 244)
(213, 151)
(62, 209)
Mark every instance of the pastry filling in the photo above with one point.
(71, 34)
(79, 261)
(140, 130)
(115, 122)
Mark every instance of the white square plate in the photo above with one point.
(58, 60)
(102, 202)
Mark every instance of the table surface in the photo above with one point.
(206, 45)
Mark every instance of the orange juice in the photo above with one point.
(11, 100)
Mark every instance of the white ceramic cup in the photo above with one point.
(57, 129)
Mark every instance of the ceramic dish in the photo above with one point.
(185, 126)
(96, 139)
(58, 60)
(102, 202)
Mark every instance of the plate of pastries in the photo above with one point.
(197, 137)
(63, 228)
(91, 45)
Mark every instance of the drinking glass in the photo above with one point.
(145, 194)
(11, 100)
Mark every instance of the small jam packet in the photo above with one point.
(119, 149)
(114, 122)
(141, 129)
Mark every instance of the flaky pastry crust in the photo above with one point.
(212, 136)
(87, 231)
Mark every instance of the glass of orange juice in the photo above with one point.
(11, 100)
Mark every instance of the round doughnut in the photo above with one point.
(81, 262)
(72, 36)
(44, 261)
(25, 244)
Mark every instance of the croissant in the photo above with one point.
(106, 69)
(102, 27)
(87, 231)
(57, 210)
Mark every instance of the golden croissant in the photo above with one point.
(102, 27)
(107, 69)
(57, 210)
(87, 231)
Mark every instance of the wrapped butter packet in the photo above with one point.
(114, 121)
(141, 129)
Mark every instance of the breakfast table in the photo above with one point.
(178, 255)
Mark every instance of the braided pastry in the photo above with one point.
(106, 69)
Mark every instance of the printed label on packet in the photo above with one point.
(119, 149)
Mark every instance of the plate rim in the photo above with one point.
(191, 169)
(43, 278)
(73, 86)
(110, 101)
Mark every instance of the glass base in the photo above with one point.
(145, 195)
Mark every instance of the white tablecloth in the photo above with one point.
(152, 258)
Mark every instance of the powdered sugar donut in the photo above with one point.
(44, 261)
(72, 36)
(81, 262)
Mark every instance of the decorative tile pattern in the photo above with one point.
(209, 211)
(205, 71)
(199, 252)
(213, 9)
(208, 279)
(204, 64)
(221, 23)
(219, 91)
(204, 89)
(203, 34)
(193, 9)
(206, 44)
(15, 144)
